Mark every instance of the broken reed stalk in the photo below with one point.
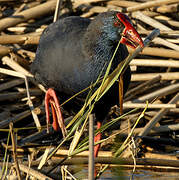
(34, 173)
(19, 39)
(14, 65)
(166, 43)
(157, 117)
(18, 95)
(160, 129)
(16, 118)
(152, 22)
(57, 10)
(149, 76)
(167, 8)
(161, 52)
(104, 160)
(10, 84)
(155, 63)
(153, 106)
(172, 88)
(4, 50)
(91, 148)
(19, 71)
(31, 106)
(11, 73)
(123, 161)
(165, 128)
(150, 4)
(123, 3)
(140, 88)
(26, 29)
(25, 15)
(14, 151)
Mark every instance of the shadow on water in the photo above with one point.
(116, 173)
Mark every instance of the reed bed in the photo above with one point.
(145, 136)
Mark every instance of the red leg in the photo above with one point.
(58, 120)
(47, 100)
(97, 147)
(97, 138)
(121, 94)
(55, 121)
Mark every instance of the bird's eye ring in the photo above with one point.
(117, 22)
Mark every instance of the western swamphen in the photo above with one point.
(74, 51)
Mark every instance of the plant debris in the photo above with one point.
(25, 144)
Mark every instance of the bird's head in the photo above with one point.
(129, 36)
(106, 29)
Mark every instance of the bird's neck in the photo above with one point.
(100, 40)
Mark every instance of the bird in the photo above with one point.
(74, 51)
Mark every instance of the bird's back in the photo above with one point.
(59, 56)
(63, 64)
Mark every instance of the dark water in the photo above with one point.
(118, 174)
(140, 175)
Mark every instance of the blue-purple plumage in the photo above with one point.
(72, 53)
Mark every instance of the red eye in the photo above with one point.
(117, 23)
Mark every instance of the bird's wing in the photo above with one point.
(59, 55)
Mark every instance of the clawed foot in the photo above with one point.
(58, 121)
